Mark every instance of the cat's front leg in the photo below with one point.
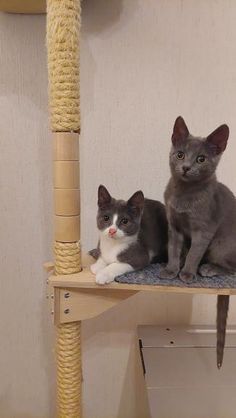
(199, 244)
(108, 274)
(99, 265)
(175, 245)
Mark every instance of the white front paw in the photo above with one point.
(104, 277)
(98, 266)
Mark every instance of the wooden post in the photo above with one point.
(63, 30)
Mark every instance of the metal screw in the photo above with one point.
(66, 311)
(67, 295)
(52, 312)
(52, 296)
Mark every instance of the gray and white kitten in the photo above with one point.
(201, 214)
(132, 234)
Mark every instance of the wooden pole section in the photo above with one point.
(63, 30)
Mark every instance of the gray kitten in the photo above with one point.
(132, 234)
(201, 214)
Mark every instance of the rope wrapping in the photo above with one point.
(69, 370)
(63, 29)
(67, 257)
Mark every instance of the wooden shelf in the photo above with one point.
(23, 6)
(75, 297)
(86, 280)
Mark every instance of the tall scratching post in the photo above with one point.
(63, 30)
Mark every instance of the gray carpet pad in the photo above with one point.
(149, 276)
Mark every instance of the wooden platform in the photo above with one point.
(75, 297)
(86, 280)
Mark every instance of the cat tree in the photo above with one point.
(72, 291)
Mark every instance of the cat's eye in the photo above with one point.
(180, 155)
(201, 159)
(124, 221)
(106, 218)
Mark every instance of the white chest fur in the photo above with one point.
(111, 248)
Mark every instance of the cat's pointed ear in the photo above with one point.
(136, 201)
(104, 197)
(217, 140)
(180, 131)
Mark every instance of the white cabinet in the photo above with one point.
(181, 375)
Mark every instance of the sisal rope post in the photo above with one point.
(63, 30)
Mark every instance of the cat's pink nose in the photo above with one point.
(112, 231)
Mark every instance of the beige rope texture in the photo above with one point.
(69, 370)
(63, 64)
(67, 257)
(63, 29)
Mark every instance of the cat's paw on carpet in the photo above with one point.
(207, 270)
(186, 276)
(167, 273)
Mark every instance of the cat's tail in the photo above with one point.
(221, 322)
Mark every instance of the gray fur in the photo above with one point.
(221, 321)
(200, 210)
(201, 214)
(146, 219)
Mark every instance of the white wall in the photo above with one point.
(26, 358)
(142, 64)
